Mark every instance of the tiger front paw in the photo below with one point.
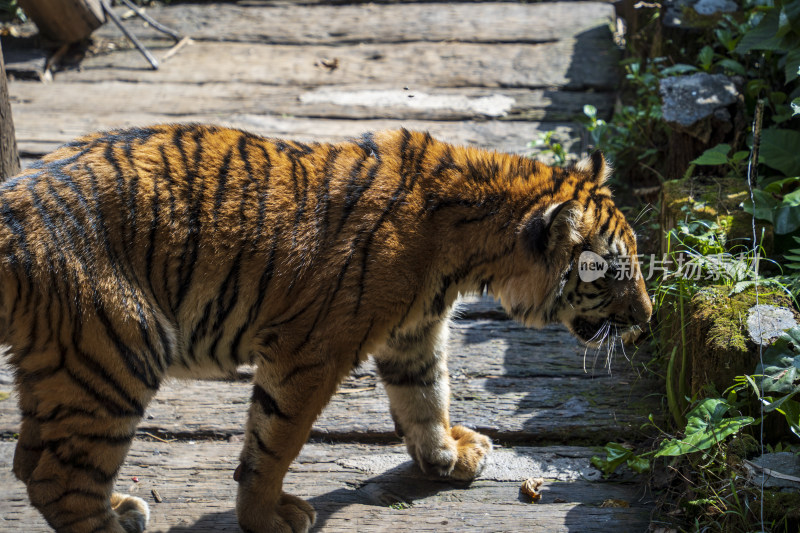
(132, 512)
(462, 455)
(290, 515)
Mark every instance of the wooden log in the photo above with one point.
(503, 22)
(9, 157)
(367, 488)
(377, 101)
(584, 63)
(65, 21)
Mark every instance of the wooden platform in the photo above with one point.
(490, 74)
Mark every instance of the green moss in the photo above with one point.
(717, 199)
(719, 346)
(783, 508)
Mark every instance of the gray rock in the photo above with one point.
(766, 322)
(777, 470)
(689, 99)
(690, 13)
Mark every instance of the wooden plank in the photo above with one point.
(369, 23)
(575, 64)
(41, 131)
(364, 488)
(347, 102)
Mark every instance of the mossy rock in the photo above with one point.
(713, 332)
(717, 199)
(720, 347)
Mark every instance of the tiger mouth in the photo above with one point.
(594, 333)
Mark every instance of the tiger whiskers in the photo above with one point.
(597, 341)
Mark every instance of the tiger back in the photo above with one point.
(133, 255)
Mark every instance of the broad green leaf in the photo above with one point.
(765, 205)
(679, 68)
(706, 425)
(705, 57)
(616, 455)
(764, 36)
(792, 198)
(778, 185)
(780, 149)
(717, 155)
(791, 10)
(791, 410)
(732, 65)
(792, 64)
(781, 364)
(638, 464)
(786, 219)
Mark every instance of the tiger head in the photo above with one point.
(580, 263)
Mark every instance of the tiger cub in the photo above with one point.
(133, 255)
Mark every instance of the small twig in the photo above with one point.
(176, 48)
(154, 23)
(158, 438)
(351, 391)
(139, 46)
(156, 496)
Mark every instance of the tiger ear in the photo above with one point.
(557, 226)
(596, 166)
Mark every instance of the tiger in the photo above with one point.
(133, 255)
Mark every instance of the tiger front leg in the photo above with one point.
(285, 403)
(413, 367)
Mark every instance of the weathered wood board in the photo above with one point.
(357, 487)
(500, 22)
(329, 102)
(566, 63)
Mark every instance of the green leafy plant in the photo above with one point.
(10, 10)
(547, 145)
(707, 424)
(778, 378)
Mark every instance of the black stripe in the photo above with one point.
(263, 447)
(409, 373)
(268, 404)
(255, 308)
(133, 185)
(71, 492)
(78, 462)
(170, 188)
(13, 223)
(192, 244)
(367, 143)
(86, 518)
(222, 180)
(299, 369)
(322, 207)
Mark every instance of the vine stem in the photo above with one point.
(752, 175)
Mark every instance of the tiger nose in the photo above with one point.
(641, 310)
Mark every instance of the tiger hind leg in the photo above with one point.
(29, 445)
(279, 422)
(74, 438)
